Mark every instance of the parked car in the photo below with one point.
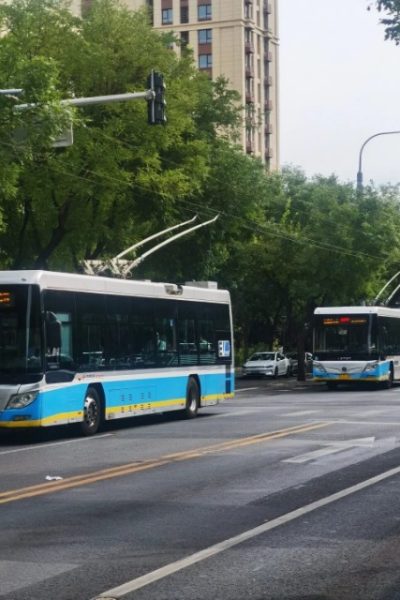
(270, 364)
(294, 362)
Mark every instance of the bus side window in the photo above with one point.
(188, 354)
(384, 339)
(59, 310)
(207, 349)
(91, 331)
(53, 333)
(165, 335)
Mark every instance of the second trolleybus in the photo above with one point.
(355, 344)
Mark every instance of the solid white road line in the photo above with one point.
(246, 389)
(140, 582)
(88, 439)
(366, 422)
(239, 413)
(300, 413)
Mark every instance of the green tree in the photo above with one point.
(122, 178)
(392, 21)
(320, 244)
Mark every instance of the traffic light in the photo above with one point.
(156, 106)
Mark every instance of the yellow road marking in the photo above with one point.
(136, 467)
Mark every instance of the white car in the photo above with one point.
(271, 364)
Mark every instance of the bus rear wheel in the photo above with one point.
(192, 400)
(92, 412)
(331, 385)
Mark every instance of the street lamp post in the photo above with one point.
(359, 173)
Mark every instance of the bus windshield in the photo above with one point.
(344, 336)
(20, 332)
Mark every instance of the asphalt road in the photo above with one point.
(288, 491)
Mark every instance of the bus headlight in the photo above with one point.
(371, 366)
(319, 366)
(21, 400)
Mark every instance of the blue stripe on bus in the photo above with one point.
(68, 400)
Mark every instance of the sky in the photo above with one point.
(339, 84)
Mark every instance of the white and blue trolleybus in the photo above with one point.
(84, 349)
(356, 343)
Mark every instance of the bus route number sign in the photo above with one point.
(224, 348)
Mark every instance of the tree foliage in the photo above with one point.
(392, 21)
(121, 178)
(321, 243)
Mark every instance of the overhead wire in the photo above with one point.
(252, 225)
(246, 222)
(310, 241)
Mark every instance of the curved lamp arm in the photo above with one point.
(359, 173)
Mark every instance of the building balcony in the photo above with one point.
(268, 56)
(268, 81)
(249, 98)
(268, 32)
(249, 48)
(268, 129)
(250, 123)
(267, 8)
(249, 72)
(249, 147)
(268, 105)
(269, 153)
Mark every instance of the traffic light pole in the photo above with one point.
(154, 97)
(148, 95)
(11, 92)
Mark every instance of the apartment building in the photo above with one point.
(239, 40)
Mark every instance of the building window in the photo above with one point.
(167, 16)
(86, 5)
(205, 36)
(184, 41)
(205, 61)
(184, 14)
(204, 12)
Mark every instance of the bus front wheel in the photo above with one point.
(92, 412)
(192, 400)
(388, 384)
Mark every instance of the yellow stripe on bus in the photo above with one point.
(58, 419)
(117, 411)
